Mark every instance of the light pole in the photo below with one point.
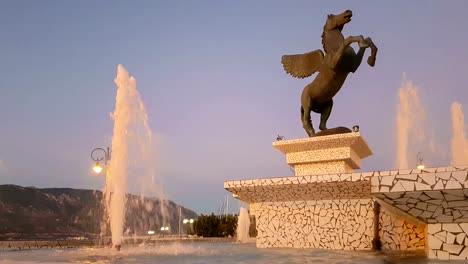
(190, 222)
(164, 229)
(99, 154)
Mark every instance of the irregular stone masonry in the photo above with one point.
(332, 211)
(335, 211)
(333, 186)
(437, 196)
(400, 234)
(447, 241)
(434, 195)
(332, 224)
(329, 224)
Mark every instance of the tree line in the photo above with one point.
(219, 226)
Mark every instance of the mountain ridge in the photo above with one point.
(45, 213)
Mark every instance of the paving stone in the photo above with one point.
(444, 218)
(450, 238)
(453, 249)
(460, 176)
(426, 214)
(434, 242)
(453, 185)
(443, 175)
(439, 185)
(387, 180)
(398, 187)
(464, 227)
(461, 238)
(435, 195)
(429, 178)
(384, 189)
(410, 177)
(393, 196)
(458, 203)
(407, 185)
(449, 197)
(434, 228)
(415, 212)
(422, 186)
(421, 205)
(443, 255)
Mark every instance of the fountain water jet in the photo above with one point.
(132, 154)
(243, 225)
(459, 140)
(409, 123)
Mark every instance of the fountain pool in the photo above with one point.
(209, 252)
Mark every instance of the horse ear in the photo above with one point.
(330, 22)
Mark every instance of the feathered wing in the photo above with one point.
(302, 65)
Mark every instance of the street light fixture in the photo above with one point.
(105, 155)
(420, 161)
(186, 221)
(97, 168)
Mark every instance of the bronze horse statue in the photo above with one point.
(333, 67)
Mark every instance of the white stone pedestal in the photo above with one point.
(341, 153)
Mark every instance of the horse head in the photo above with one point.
(338, 21)
(331, 36)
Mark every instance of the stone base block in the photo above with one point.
(328, 224)
(345, 224)
(341, 153)
(322, 168)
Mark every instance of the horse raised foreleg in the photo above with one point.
(339, 54)
(372, 57)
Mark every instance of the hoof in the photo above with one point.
(371, 61)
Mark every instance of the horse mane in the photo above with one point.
(324, 43)
(323, 33)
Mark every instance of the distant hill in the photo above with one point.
(32, 213)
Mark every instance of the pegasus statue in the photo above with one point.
(339, 60)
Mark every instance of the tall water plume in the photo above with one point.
(410, 121)
(132, 155)
(243, 225)
(459, 140)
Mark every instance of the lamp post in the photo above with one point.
(190, 222)
(164, 229)
(100, 154)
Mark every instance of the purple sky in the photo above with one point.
(210, 75)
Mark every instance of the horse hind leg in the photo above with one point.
(325, 114)
(306, 121)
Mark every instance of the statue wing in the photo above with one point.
(302, 65)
